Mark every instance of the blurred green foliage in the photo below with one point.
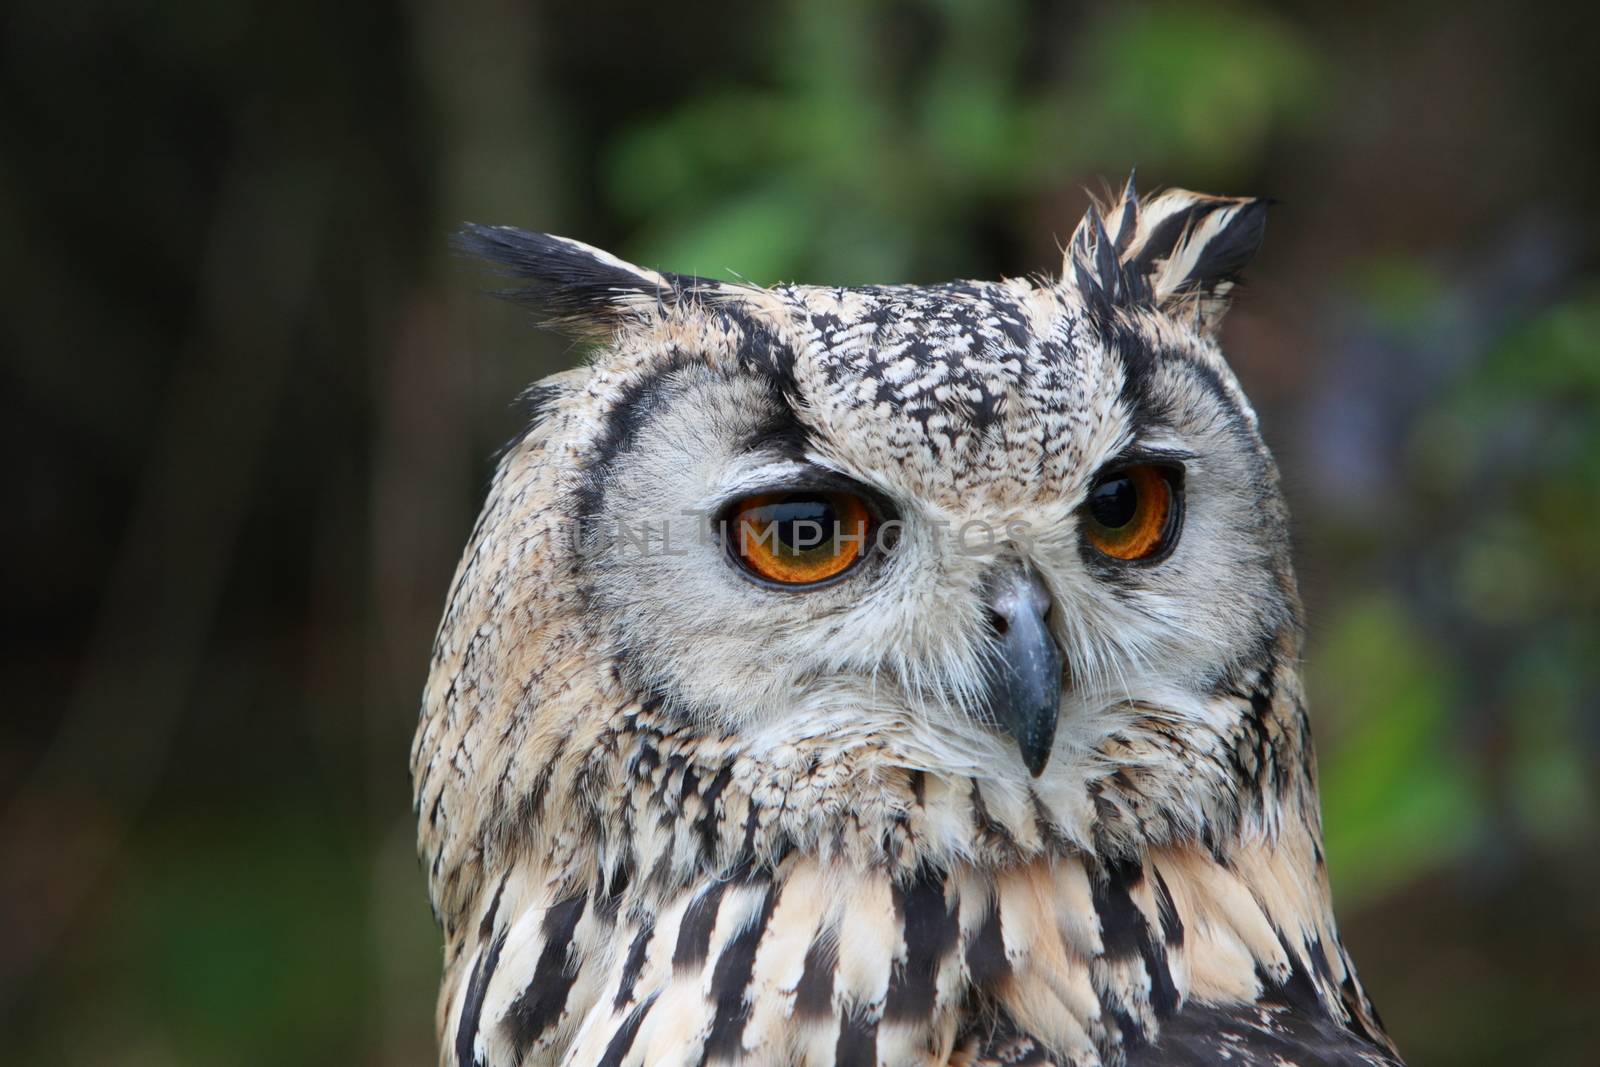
(1505, 468)
(1396, 797)
(870, 138)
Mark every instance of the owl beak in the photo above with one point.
(1025, 678)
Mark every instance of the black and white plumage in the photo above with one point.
(1049, 799)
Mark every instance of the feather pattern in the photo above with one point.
(1178, 251)
(655, 839)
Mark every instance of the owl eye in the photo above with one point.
(1132, 513)
(799, 538)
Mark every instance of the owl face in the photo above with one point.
(978, 527)
(891, 674)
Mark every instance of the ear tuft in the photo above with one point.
(1179, 251)
(565, 282)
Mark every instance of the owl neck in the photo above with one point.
(870, 894)
(849, 902)
(650, 798)
(698, 804)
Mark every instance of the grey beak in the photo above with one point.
(1025, 679)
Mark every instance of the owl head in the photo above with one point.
(1021, 534)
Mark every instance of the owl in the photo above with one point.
(895, 675)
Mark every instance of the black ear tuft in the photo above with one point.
(563, 281)
(1180, 251)
(1202, 243)
(1225, 256)
(1104, 280)
(1128, 214)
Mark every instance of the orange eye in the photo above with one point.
(798, 538)
(1132, 513)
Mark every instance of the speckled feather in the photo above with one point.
(666, 823)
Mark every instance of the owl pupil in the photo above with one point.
(802, 523)
(1114, 502)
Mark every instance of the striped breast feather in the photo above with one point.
(1175, 959)
(798, 965)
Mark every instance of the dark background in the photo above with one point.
(250, 402)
